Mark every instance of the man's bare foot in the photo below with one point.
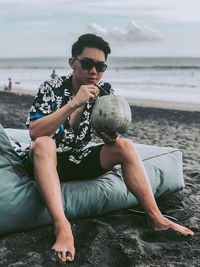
(64, 245)
(164, 224)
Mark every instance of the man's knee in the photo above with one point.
(123, 143)
(124, 147)
(44, 145)
(118, 152)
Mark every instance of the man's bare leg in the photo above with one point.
(123, 152)
(43, 155)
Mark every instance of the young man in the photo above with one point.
(59, 123)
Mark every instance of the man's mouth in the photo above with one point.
(92, 80)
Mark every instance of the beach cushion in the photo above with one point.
(22, 208)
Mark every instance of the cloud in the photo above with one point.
(133, 33)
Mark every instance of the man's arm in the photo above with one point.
(46, 126)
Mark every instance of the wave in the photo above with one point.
(120, 67)
(32, 67)
(154, 67)
(153, 83)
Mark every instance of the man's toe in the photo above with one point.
(68, 256)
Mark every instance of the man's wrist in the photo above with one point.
(73, 104)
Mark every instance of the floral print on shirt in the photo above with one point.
(54, 94)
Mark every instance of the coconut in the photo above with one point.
(111, 114)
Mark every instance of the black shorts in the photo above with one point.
(89, 168)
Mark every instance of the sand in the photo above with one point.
(121, 239)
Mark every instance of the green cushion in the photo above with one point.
(22, 208)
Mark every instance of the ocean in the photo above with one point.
(165, 79)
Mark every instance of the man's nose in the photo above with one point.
(93, 70)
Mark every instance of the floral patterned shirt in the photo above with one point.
(54, 94)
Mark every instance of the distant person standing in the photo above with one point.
(9, 84)
(9, 87)
(53, 75)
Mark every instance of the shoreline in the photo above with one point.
(146, 103)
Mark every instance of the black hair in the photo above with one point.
(90, 40)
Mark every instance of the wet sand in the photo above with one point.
(120, 239)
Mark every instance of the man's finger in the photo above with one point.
(97, 134)
(94, 91)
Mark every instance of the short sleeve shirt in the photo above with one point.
(53, 95)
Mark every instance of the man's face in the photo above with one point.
(84, 76)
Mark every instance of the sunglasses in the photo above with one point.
(88, 64)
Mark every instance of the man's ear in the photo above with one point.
(71, 62)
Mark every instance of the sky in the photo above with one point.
(33, 28)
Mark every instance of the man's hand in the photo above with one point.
(85, 93)
(107, 138)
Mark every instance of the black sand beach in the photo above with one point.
(121, 238)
